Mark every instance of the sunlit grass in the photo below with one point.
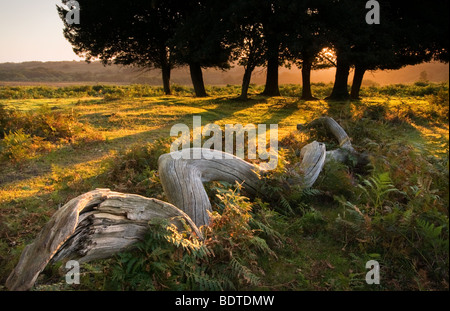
(30, 191)
(139, 120)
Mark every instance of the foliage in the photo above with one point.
(166, 259)
(286, 238)
(135, 170)
(171, 260)
(19, 146)
(22, 134)
(398, 232)
(441, 102)
(376, 190)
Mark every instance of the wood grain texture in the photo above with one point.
(182, 179)
(94, 225)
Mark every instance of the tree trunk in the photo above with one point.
(271, 88)
(246, 83)
(357, 81)
(340, 89)
(345, 152)
(306, 80)
(166, 79)
(94, 225)
(197, 79)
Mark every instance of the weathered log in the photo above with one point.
(312, 160)
(345, 152)
(182, 177)
(94, 225)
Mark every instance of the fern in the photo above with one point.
(243, 271)
(432, 235)
(376, 190)
(286, 205)
(353, 225)
(177, 260)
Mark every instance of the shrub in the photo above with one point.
(171, 260)
(136, 169)
(35, 131)
(16, 146)
(440, 102)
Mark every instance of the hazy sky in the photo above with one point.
(31, 30)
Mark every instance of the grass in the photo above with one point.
(405, 128)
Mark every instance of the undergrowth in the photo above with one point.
(26, 134)
(171, 260)
(394, 210)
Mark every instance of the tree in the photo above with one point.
(200, 40)
(251, 53)
(410, 33)
(341, 21)
(305, 41)
(246, 36)
(273, 19)
(134, 33)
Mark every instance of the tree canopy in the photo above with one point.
(164, 34)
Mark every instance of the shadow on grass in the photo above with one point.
(73, 155)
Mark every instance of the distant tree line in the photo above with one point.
(311, 34)
(42, 73)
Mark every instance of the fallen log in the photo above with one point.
(345, 152)
(182, 178)
(94, 225)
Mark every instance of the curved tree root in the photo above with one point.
(183, 179)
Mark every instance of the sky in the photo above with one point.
(31, 30)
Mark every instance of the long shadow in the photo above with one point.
(396, 128)
(282, 111)
(338, 108)
(223, 108)
(41, 165)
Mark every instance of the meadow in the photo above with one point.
(59, 142)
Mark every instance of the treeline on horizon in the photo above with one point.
(427, 90)
(66, 71)
(63, 73)
(167, 34)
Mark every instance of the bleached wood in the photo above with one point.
(182, 179)
(101, 223)
(345, 150)
(312, 160)
(94, 225)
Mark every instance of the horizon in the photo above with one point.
(434, 72)
(39, 23)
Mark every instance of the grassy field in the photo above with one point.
(57, 143)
